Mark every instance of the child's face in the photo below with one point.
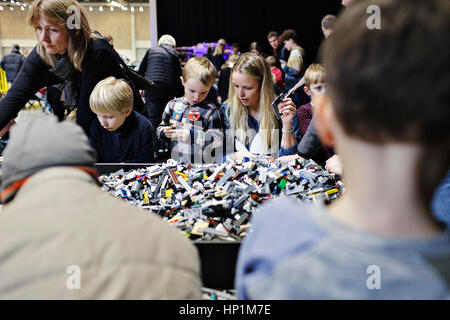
(195, 91)
(315, 89)
(247, 89)
(289, 44)
(112, 121)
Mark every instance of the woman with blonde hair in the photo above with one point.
(217, 58)
(251, 127)
(67, 53)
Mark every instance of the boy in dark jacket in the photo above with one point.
(119, 134)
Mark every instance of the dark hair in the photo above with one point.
(392, 84)
(328, 22)
(272, 34)
(235, 45)
(16, 47)
(255, 46)
(288, 34)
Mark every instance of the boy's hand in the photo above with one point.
(334, 165)
(287, 110)
(169, 131)
(182, 135)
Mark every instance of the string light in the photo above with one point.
(141, 9)
(111, 8)
(132, 9)
(90, 8)
(100, 9)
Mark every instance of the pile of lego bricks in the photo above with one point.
(216, 201)
(218, 294)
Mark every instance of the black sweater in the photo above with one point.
(132, 142)
(161, 64)
(98, 64)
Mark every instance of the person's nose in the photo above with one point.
(44, 36)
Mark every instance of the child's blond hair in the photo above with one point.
(200, 68)
(111, 95)
(271, 61)
(314, 74)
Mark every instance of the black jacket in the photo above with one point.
(98, 64)
(12, 63)
(161, 64)
(224, 83)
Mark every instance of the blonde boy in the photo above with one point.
(119, 134)
(186, 120)
(314, 87)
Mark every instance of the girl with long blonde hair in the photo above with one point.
(249, 119)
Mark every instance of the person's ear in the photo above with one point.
(182, 81)
(307, 91)
(128, 112)
(325, 119)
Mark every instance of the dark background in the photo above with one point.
(244, 21)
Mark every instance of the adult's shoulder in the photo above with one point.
(35, 59)
(170, 50)
(98, 48)
(99, 44)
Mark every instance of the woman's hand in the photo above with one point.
(7, 127)
(288, 110)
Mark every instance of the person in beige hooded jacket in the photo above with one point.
(62, 237)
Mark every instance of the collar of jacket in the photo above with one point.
(9, 193)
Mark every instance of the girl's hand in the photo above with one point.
(240, 155)
(288, 110)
